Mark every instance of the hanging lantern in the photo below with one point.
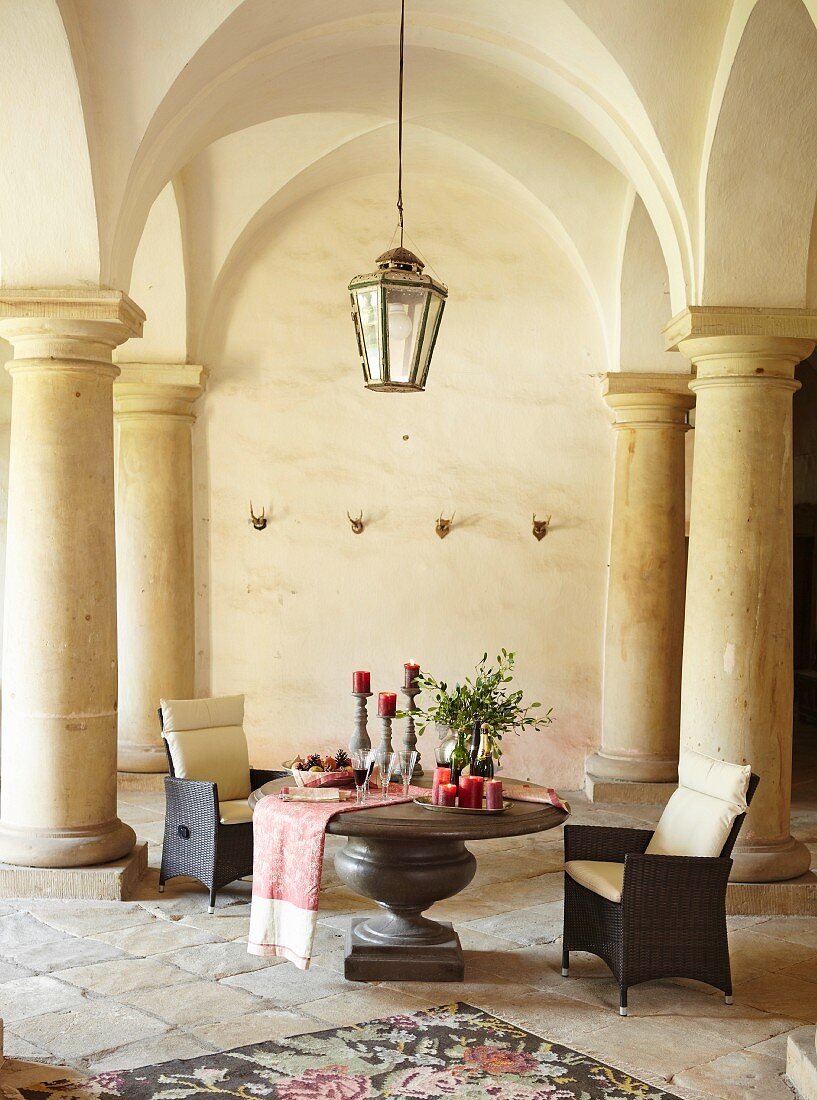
(397, 309)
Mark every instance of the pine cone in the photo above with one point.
(314, 760)
(342, 759)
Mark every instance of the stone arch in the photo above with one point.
(369, 154)
(760, 179)
(223, 89)
(48, 225)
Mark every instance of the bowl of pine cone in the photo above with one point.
(315, 770)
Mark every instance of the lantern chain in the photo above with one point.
(400, 121)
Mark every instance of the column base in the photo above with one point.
(801, 1062)
(115, 881)
(621, 790)
(54, 848)
(633, 769)
(770, 862)
(151, 759)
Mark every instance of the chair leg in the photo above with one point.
(728, 998)
(212, 906)
(622, 1001)
(565, 963)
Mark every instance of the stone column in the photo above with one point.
(736, 695)
(153, 405)
(58, 798)
(645, 594)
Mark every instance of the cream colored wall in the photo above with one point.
(512, 423)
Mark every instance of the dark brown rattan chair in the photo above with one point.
(196, 844)
(671, 920)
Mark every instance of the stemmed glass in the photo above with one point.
(361, 771)
(386, 762)
(407, 759)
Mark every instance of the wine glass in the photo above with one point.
(407, 760)
(386, 762)
(361, 772)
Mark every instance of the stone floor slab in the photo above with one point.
(155, 938)
(111, 979)
(85, 920)
(192, 1002)
(219, 960)
(738, 1076)
(286, 986)
(789, 997)
(35, 996)
(260, 1027)
(89, 1030)
(149, 1052)
(66, 952)
(533, 924)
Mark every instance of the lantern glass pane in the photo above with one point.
(405, 307)
(435, 308)
(369, 313)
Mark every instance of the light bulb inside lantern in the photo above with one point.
(399, 321)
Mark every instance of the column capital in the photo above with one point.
(67, 323)
(158, 389)
(737, 342)
(649, 400)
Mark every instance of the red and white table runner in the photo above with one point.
(288, 846)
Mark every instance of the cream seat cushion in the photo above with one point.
(234, 811)
(207, 741)
(700, 814)
(606, 879)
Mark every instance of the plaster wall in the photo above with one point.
(512, 423)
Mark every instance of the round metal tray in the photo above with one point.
(427, 804)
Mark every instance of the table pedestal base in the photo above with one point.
(405, 877)
(372, 957)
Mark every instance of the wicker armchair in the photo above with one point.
(653, 915)
(208, 821)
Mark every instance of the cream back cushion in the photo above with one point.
(207, 741)
(700, 814)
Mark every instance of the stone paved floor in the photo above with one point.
(100, 986)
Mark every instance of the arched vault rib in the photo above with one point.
(610, 118)
(433, 153)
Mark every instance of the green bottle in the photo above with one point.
(458, 761)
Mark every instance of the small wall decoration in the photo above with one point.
(258, 522)
(540, 527)
(357, 523)
(443, 526)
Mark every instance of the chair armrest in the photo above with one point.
(191, 798)
(670, 887)
(260, 776)
(603, 842)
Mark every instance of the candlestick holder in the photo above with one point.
(410, 736)
(385, 736)
(360, 741)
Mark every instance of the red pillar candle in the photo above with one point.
(448, 794)
(411, 671)
(361, 682)
(477, 783)
(441, 775)
(387, 704)
(464, 791)
(493, 794)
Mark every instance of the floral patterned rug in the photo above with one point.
(452, 1051)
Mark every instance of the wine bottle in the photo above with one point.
(476, 735)
(484, 764)
(458, 761)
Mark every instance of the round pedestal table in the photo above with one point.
(406, 858)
